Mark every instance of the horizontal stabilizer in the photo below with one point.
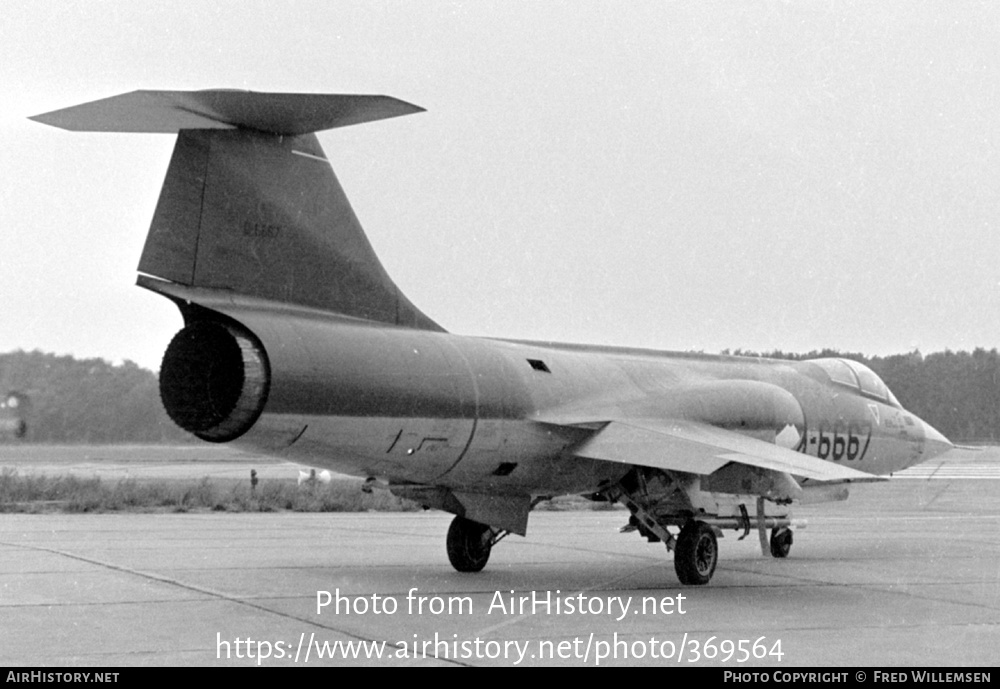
(701, 449)
(276, 113)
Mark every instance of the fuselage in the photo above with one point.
(413, 406)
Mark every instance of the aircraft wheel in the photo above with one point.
(696, 554)
(781, 541)
(469, 544)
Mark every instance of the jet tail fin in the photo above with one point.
(250, 203)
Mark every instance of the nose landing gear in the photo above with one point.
(781, 541)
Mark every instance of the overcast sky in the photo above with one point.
(692, 176)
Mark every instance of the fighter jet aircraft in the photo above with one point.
(297, 343)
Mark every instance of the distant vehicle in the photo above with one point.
(297, 343)
(13, 413)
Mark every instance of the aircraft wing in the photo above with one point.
(698, 448)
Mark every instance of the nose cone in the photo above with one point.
(934, 443)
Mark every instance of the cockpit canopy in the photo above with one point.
(858, 377)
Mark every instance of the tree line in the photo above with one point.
(93, 401)
(87, 400)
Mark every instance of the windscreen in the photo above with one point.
(856, 375)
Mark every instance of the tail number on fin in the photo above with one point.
(259, 230)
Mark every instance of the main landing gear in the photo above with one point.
(696, 548)
(696, 553)
(469, 544)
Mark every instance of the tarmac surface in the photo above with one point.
(904, 573)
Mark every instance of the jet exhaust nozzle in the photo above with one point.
(214, 380)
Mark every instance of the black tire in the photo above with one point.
(781, 541)
(469, 544)
(696, 554)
